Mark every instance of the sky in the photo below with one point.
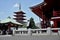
(8, 7)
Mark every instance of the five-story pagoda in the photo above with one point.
(19, 15)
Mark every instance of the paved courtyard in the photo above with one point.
(31, 37)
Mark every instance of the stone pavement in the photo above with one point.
(31, 37)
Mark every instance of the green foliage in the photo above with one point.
(32, 24)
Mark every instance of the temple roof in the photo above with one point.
(41, 9)
(46, 8)
(37, 9)
(10, 20)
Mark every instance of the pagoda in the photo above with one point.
(19, 15)
(48, 10)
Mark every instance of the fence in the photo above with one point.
(45, 31)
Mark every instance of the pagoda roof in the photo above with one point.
(10, 20)
(19, 12)
(19, 19)
(19, 16)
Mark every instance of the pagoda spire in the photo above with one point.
(19, 6)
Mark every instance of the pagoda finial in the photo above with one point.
(20, 6)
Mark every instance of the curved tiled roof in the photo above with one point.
(10, 20)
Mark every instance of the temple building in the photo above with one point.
(48, 10)
(19, 16)
(9, 23)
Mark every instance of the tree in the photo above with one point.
(32, 24)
